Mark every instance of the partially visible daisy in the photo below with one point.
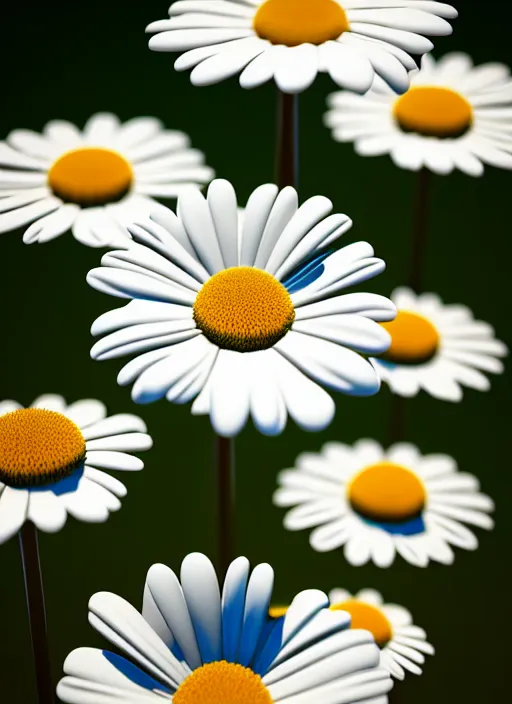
(377, 503)
(455, 116)
(293, 40)
(246, 321)
(95, 181)
(402, 644)
(439, 348)
(194, 645)
(52, 458)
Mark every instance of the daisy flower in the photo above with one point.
(439, 348)
(244, 320)
(401, 644)
(293, 40)
(52, 458)
(455, 116)
(193, 644)
(92, 181)
(377, 503)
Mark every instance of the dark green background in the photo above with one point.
(69, 60)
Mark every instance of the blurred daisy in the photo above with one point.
(241, 319)
(92, 181)
(51, 461)
(439, 348)
(454, 116)
(377, 503)
(194, 645)
(402, 644)
(293, 40)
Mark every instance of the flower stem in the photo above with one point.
(419, 248)
(226, 504)
(29, 548)
(287, 162)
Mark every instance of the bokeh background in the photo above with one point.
(69, 60)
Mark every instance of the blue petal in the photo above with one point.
(134, 673)
(269, 646)
(306, 274)
(413, 526)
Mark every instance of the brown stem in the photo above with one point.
(225, 462)
(420, 229)
(29, 549)
(419, 248)
(287, 140)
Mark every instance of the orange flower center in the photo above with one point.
(413, 339)
(386, 492)
(90, 176)
(433, 112)
(243, 309)
(294, 22)
(222, 683)
(368, 617)
(38, 447)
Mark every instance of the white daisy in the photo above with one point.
(240, 318)
(51, 461)
(402, 644)
(439, 348)
(92, 181)
(377, 503)
(454, 116)
(293, 40)
(194, 645)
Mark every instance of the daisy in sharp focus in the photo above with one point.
(52, 458)
(194, 644)
(92, 181)
(439, 348)
(377, 503)
(455, 116)
(245, 320)
(402, 645)
(292, 41)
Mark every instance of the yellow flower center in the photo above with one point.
(433, 112)
(368, 617)
(38, 447)
(294, 22)
(413, 339)
(386, 492)
(277, 611)
(222, 683)
(243, 309)
(90, 176)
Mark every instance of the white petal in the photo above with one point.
(120, 423)
(283, 209)
(268, 409)
(46, 511)
(26, 214)
(13, 511)
(229, 393)
(257, 212)
(51, 402)
(86, 412)
(164, 593)
(223, 209)
(9, 407)
(53, 225)
(114, 460)
(108, 482)
(257, 603)
(347, 66)
(233, 605)
(100, 129)
(297, 68)
(228, 62)
(201, 589)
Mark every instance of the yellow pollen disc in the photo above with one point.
(38, 447)
(90, 176)
(433, 112)
(244, 309)
(386, 492)
(222, 683)
(413, 339)
(368, 617)
(294, 22)
(277, 611)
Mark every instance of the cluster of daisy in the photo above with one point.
(243, 311)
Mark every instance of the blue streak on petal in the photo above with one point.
(269, 645)
(68, 485)
(306, 274)
(414, 526)
(133, 673)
